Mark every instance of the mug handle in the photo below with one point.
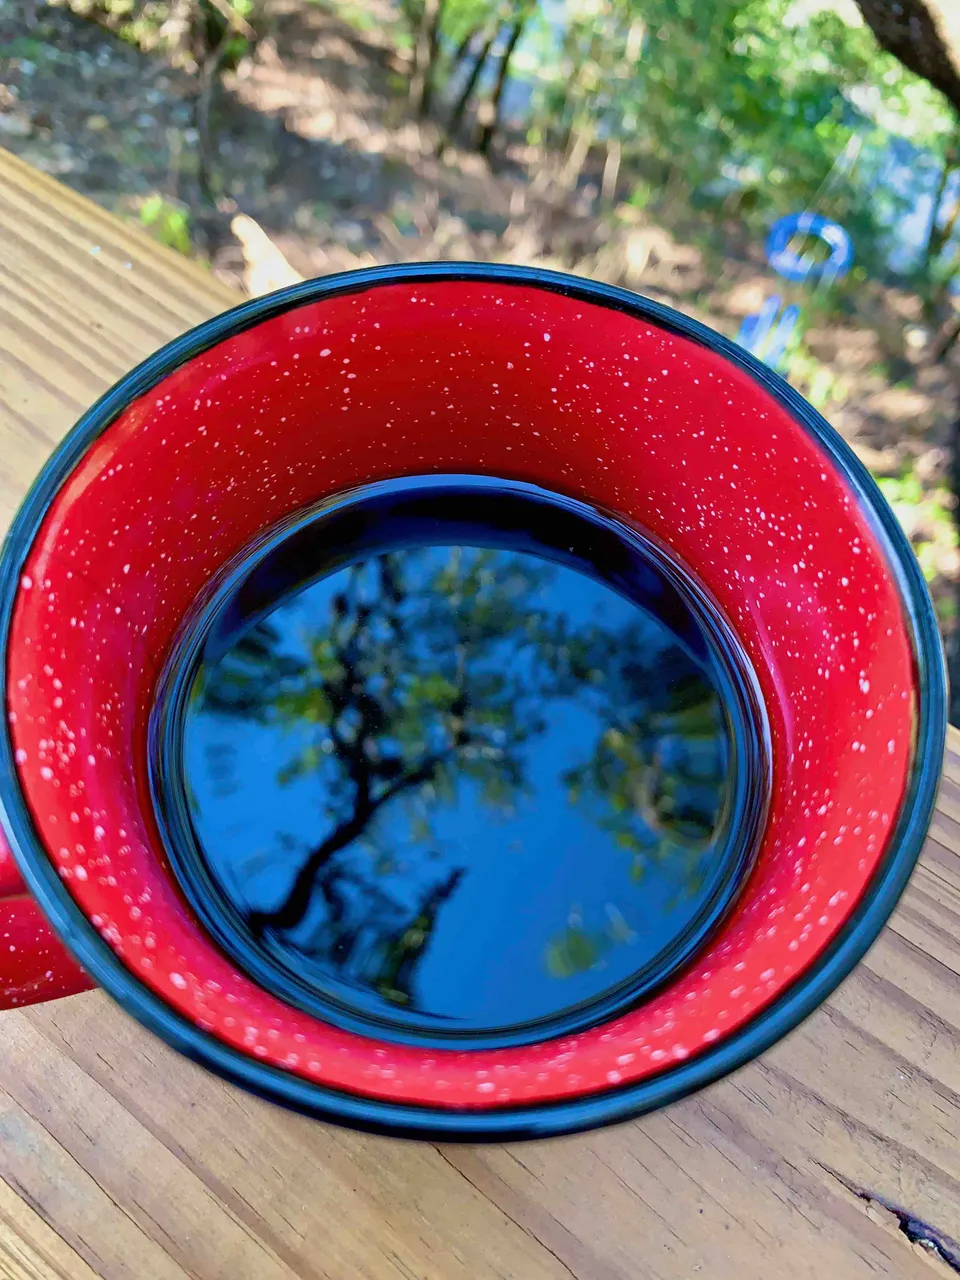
(34, 963)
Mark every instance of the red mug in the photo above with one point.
(742, 494)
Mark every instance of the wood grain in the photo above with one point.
(838, 1154)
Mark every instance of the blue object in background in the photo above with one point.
(788, 263)
(767, 333)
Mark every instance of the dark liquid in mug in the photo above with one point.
(458, 759)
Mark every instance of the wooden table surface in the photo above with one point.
(835, 1156)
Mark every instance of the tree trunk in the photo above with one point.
(932, 243)
(411, 16)
(204, 109)
(626, 72)
(580, 94)
(611, 171)
(459, 109)
(559, 127)
(922, 34)
(944, 341)
(945, 233)
(925, 36)
(581, 140)
(463, 48)
(489, 130)
(425, 57)
(296, 904)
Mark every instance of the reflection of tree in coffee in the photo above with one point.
(434, 671)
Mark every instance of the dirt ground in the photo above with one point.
(314, 142)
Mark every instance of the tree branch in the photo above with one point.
(922, 34)
(297, 902)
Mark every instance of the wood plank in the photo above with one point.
(83, 298)
(837, 1154)
(31, 1250)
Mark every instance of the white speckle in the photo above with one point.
(546, 337)
(26, 582)
(46, 773)
(325, 351)
(81, 873)
(20, 756)
(126, 568)
(178, 980)
(891, 746)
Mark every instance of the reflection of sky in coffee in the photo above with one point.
(460, 783)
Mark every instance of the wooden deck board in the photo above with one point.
(118, 1158)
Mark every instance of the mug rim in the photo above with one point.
(805, 993)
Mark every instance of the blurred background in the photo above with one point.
(650, 143)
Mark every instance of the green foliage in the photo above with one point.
(928, 517)
(818, 383)
(214, 33)
(169, 223)
(356, 14)
(752, 107)
(757, 107)
(137, 21)
(25, 47)
(155, 24)
(435, 674)
(903, 492)
(575, 951)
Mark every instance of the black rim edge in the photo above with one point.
(539, 1119)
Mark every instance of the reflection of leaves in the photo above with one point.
(578, 949)
(432, 673)
(575, 951)
(424, 677)
(658, 780)
(249, 680)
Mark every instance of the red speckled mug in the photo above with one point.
(586, 391)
